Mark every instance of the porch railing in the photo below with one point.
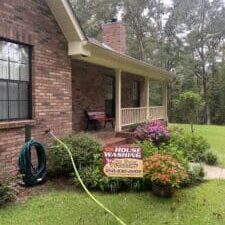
(131, 116)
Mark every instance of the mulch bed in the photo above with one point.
(22, 193)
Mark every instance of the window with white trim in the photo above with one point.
(15, 84)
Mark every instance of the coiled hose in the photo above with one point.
(32, 176)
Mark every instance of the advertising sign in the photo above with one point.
(123, 161)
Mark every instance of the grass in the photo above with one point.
(215, 135)
(200, 205)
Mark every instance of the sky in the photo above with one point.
(167, 2)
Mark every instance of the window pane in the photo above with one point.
(23, 109)
(13, 110)
(3, 50)
(4, 73)
(3, 90)
(24, 72)
(14, 55)
(13, 91)
(14, 71)
(3, 110)
(23, 91)
(24, 56)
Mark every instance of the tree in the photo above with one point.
(201, 24)
(189, 102)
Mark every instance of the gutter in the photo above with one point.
(168, 75)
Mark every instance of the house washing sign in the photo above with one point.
(123, 161)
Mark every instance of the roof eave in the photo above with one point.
(144, 68)
(67, 20)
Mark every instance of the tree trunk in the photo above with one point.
(207, 106)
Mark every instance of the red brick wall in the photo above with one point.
(88, 90)
(31, 22)
(114, 35)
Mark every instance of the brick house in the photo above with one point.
(50, 72)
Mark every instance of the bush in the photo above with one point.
(5, 194)
(150, 149)
(84, 147)
(196, 175)
(210, 159)
(153, 131)
(87, 154)
(194, 147)
(164, 170)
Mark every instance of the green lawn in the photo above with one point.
(215, 136)
(201, 205)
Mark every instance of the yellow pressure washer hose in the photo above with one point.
(81, 182)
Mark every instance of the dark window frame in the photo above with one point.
(29, 84)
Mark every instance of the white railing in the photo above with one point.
(157, 113)
(131, 116)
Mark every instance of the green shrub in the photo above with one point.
(196, 175)
(84, 147)
(94, 178)
(210, 159)
(150, 149)
(5, 194)
(194, 147)
(87, 154)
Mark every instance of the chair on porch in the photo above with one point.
(96, 117)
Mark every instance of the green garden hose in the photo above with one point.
(32, 176)
(82, 184)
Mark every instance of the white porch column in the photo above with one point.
(165, 96)
(118, 101)
(147, 86)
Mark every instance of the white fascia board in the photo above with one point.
(77, 48)
(66, 19)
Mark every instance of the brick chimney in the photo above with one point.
(114, 35)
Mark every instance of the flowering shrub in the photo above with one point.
(164, 170)
(154, 131)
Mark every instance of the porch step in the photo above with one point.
(105, 134)
(114, 141)
(125, 134)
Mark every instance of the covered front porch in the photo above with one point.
(128, 98)
(126, 116)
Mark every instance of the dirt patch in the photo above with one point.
(60, 183)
